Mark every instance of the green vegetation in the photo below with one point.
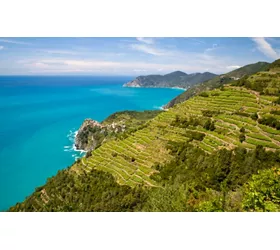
(262, 192)
(131, 118)
(192, 181)
(219, 81)
(271, 122)
(174, 79)
(214, 153)
(96, 191)
(118, 125)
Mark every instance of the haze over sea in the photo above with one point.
(39, 115)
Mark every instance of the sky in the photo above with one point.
(131, 56)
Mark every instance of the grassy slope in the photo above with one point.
(218, 81)
(131, 160)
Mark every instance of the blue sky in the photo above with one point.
(131, 56)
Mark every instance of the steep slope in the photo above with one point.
(92, 134)
(217, 151)
(174, 79)
(219, 81)
(228, 121)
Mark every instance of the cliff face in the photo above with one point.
(86, 138)
(135, 83)
(91, 134)
(175, 79)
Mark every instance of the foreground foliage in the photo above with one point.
(227, 180)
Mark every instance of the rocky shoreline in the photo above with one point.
(92, 134)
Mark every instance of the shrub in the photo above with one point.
(254, 116)
(270, 121)
(277, 101)
(88, 154)
(242, 137)
(262, 192)
(210, 113)
(209, 125)
(204, 94)
(275, 112)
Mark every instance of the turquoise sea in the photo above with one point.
(38, 118)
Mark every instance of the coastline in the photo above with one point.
(77, 153)
(152, 87)
(163, 106)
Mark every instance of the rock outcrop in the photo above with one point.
(86, 138)
(92, 133)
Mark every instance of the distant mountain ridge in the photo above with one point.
(218, 81)
(176, 79)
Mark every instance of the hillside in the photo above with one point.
(92, 134)
(217, 151)
(218, 81)
(175, 79)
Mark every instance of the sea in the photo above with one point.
(39, 116)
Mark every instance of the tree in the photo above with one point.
(207, 124)
(212, 126)
(242, 137)
(254, 116)
(262, 192)
(88, 154)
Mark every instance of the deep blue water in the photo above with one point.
(38, 118)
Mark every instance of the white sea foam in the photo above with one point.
(178, 88)
(76, 153)
(159, 107)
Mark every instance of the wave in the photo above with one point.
(76, 153)
(179, 88)
(159, 107)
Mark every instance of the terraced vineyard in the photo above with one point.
(233, 110)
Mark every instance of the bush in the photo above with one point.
(242, 137)
(275, 112)
(88, 154)
(277, 101)
(254, 116)
(204, 94)
(210, 113)
(270, 121)
(209, 125)
(262, 192)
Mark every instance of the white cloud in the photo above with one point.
(214, 46)
(91, 66)
(264, 47)
(63, 52)
(139, 70)
(233, 67)
(145, 40)
(148, 49)
(147, 45)
(1, 47)
(198, 41)
(13, 41)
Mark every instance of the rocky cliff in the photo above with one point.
(92, 134)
